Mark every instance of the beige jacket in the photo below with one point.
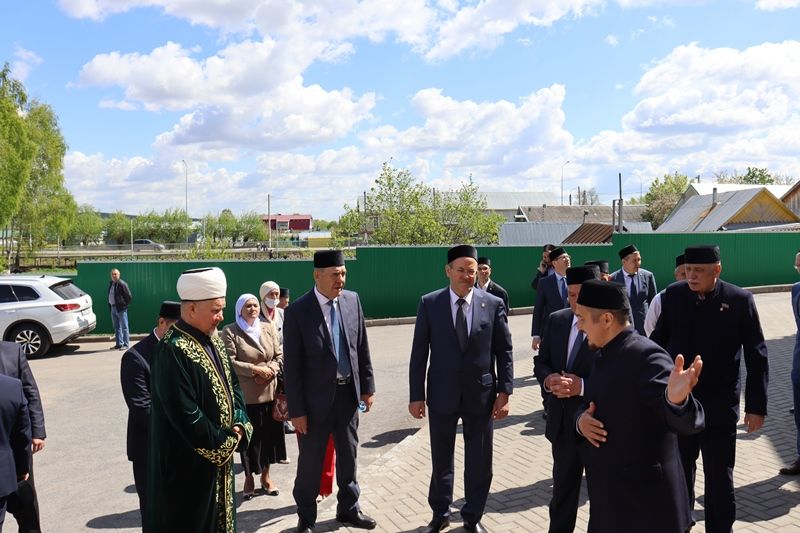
(245, 355)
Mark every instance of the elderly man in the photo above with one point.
(640, 283)
(486, 283)
(636, 402)
(328, 371)
(15, 439)
(464, 335)
(198, 417)
(654, 310)
(710, 317)
(551, 294)
(119, 298)
(134, 377)
(794, 468)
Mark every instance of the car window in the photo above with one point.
(25, 293)
(67, 290)
(6, 295)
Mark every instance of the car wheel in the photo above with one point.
(34, 340)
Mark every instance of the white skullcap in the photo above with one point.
(267, 287)
(202, 284)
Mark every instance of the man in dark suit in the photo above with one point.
(707, 316)
(24, 503)
(327, 372)
(602, 264)
(551, 294)
(464, 335)
(545, 267)
(794, 468)
(637, 400)
(135, 379)
(640, 283)
(15, 439)
(486, 283)
(563, 363)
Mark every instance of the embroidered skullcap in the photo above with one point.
(602, 264)
(328, 258)
(266, 288)
(579, 274)
(556, 252)
(170, 310)
(599, 294)
(702, 255)
(202, 284)
(628, 250)
(462, 250)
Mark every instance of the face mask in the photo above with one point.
(271, 302)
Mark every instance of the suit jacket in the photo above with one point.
(796, 312)
(496, 290)
(552, 357)
(245, 354)
(538, 277)
(309, 358)
(15, 434)
(548, 300)
(134, 376)
(717, 328)
(13, 363)
(645, 292)
(635, 478)
(465, 382)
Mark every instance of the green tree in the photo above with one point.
(88, 226)
(462, 214)
(662, 196)
(226, 225)
(118, 228)
(753, 176)
(251, 227)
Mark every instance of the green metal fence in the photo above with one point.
(390, 280)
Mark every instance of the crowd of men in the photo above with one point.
(636, 385)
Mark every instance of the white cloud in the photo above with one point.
(25, 60)
(611, 40)
(775, 5)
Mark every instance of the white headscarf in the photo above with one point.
(254, 331)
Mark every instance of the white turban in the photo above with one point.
(266, 288)
(202, 284)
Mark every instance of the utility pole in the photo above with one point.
(269, 221)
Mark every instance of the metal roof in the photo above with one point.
(594, 233)
(708, 188)
(575, 213)
(535, 233)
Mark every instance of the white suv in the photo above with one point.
(38, 311)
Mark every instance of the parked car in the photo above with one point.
(39, 311)
(140, 245)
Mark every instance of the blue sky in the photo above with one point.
(304, 100)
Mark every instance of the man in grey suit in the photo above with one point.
(15, 439)
(327, 371)
(23, 503)
(640, 284)
(462, 340)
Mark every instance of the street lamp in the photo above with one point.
(186, 196)
(562, 181)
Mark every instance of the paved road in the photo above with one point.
(85, 481)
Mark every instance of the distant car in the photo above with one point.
(140, 245)
(39, 311)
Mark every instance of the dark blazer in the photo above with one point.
(13, 363)
(538, 277)
(122, 294)
(310, 360)
(134, 376)
(460, 382)
(717, 328)
(548, 299)
(15, 435)
(496, 290)
(645, 292)
(552, 357)
(635, 478)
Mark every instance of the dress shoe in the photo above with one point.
(357, 519)
(304, 527)
(475, 528)
(791, 470)
(435, 526)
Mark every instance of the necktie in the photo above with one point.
(564, 291)
(342, 356)
(575, 347)
(634, 292)
(461, 325)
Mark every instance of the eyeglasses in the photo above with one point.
(463, 271)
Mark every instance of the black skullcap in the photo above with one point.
(462, 250)
(170, 310)
(600, 263)
(555, 252)
(284, 292)
(485, 261)
(680, 260)
(625, 252)
(328, 258)
(599, 294)
(579, 274)
(702, 255)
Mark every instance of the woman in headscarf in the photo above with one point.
(257, 356)
(270, 312)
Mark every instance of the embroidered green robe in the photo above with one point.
(192, 443)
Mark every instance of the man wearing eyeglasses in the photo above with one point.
(794, 468)
(551, 294)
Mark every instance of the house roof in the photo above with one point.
(574, 213)
(286, 218)
(737, 209)
(708, 188)
(535, 233)
(500, 201)
(595, 233)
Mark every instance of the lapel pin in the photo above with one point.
(723, 307)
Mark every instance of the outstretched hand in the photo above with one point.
(591, 428)
(681, 382)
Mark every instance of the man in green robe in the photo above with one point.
(198, 417)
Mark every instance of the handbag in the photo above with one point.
(280, 406)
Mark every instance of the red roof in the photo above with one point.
(287, 218)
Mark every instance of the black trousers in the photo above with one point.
(140, 480)
(24, 505)
(478, 437)
(342, 422)
(718, 446)
(567, 473)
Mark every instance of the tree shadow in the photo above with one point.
(126, 520)
(389, 437)
(257, 519)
